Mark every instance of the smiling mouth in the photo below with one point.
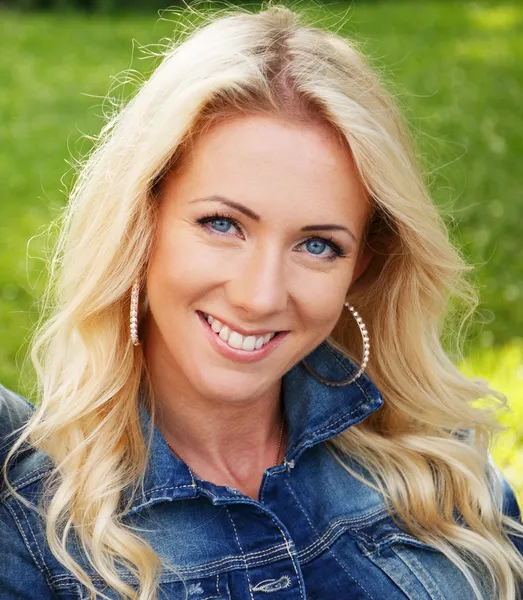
(236, 340)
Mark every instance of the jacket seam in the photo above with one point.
(324, 545)
(241, 551)
(254, 559)
(434, 591)
(25, 480)
(290, 554)
(318, 432)
(22, 510)
(145, 503)
(44, 571)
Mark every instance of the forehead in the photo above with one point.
(275, 167)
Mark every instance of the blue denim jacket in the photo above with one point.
(316, 533)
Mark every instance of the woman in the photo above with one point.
(216, 419)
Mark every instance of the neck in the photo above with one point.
(227, 443)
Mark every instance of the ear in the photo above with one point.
(363, 262)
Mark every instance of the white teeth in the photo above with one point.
(235, 339)
(224, 333)
(249, 342)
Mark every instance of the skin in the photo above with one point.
(223, 417)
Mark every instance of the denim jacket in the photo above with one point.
(316, 533)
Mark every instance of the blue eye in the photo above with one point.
(218, 223)
(221, 225)
(316, 246)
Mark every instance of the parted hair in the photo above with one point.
(427, 450)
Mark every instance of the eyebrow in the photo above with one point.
(256, 217)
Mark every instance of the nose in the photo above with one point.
(258, 287)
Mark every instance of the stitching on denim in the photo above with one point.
(162, 488)
(254, 559)
(356, 383)
(264, 487)
(251, 558)
(34, 537)
(368, 518)
(18, 483)
(311, 551)
(218, 594)
(390, 540)
(434, 589)
(327, 548)
(289, 552)
(26, 541)
(266, 556)
(333, 534)
(68, 584)
(241, 550)
(318, 432)
(318, 537)
(34, 472)
(302, 509)
(366, 592)
(157, 498)
(59, 576)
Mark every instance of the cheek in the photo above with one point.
(322, 302)
(181, 265)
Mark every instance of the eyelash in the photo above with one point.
(338, 252)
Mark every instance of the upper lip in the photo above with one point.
(240, 329)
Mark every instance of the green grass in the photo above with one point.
(455, 67)
(503, 369)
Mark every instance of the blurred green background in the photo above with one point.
(456, 69)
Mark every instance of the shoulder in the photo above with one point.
(23, 574)
(15, 411)
(26, 567)
(510, 505)
(29, 465)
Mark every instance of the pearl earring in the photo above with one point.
(366, 353)
(135, 295)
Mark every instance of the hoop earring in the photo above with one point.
(366, 354)
(135, 294)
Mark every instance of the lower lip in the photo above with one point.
(245, 356)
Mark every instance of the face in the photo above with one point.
(262, 231)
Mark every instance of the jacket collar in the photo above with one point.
(314, 411)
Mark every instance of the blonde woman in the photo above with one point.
(242, 390)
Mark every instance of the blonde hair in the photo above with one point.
(89, 374)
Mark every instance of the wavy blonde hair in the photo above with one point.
(89, 374)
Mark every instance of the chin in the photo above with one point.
(230, 387)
